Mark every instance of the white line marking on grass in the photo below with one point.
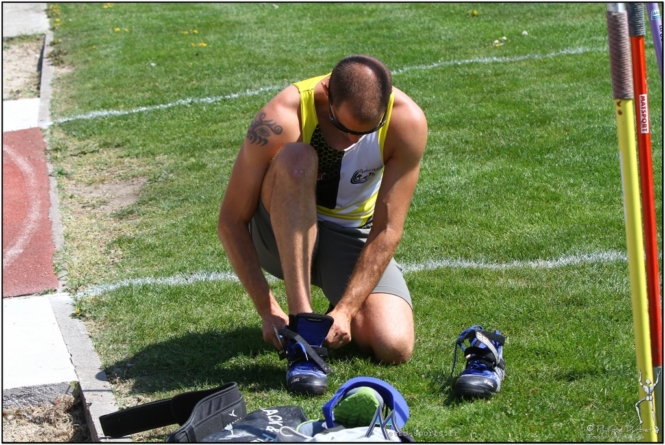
(205, 100)
(565, 52)
(30, 222)
(180, 280)
(176, 280)
(573, 260)
(247, 93)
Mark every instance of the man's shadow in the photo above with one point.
(202, 360)
(206, 359)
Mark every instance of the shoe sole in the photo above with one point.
(307, 388)
(357, 409)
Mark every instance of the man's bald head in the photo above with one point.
(363, 83)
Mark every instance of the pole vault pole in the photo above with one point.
(656, 33)
(636, 31)
(622, 88)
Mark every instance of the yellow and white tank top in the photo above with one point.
(348, 180)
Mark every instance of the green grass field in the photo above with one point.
(517, 222)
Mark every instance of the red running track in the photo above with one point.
(27, 240)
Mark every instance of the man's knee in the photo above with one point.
(386, 344)
(395, 351)
(296, 161)
(292, 172)
(384, 328)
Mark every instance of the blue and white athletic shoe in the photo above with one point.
(306, 370)
(485, 367)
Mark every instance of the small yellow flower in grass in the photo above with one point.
(57, 20)
(195, 32)
(94, 46)
(116, 29)
(193, 45)
(126, 30)
(184, 32)
(203, 44)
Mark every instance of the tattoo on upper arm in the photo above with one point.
(261, 129)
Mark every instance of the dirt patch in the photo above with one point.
(109, 197)
(20, 62)
(62, 421)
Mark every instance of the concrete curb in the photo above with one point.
(36, 363)
(44, 121)
(23, 18)
(96, 392)
(45, 91)
(35, 395)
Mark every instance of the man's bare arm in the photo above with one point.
(272, 127)
(408, 137)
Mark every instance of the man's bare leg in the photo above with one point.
(288, 194)
(384, 328)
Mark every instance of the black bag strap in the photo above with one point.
(179, 409)
(210, 415)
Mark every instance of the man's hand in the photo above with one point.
(340, 331)
(270, 323)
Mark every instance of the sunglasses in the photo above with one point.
(341, 127)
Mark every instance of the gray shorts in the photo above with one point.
(335, 255)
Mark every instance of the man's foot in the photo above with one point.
(485, 367)
(306, 370)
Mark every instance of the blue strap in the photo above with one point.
(391, 397)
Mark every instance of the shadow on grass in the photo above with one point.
(349, 353)
(445, 386)
(442, 382)
(202, 360)
(206, 359)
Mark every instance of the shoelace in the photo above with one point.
(311, 353)
(459, 342)
(302, 349)
(477, 365)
